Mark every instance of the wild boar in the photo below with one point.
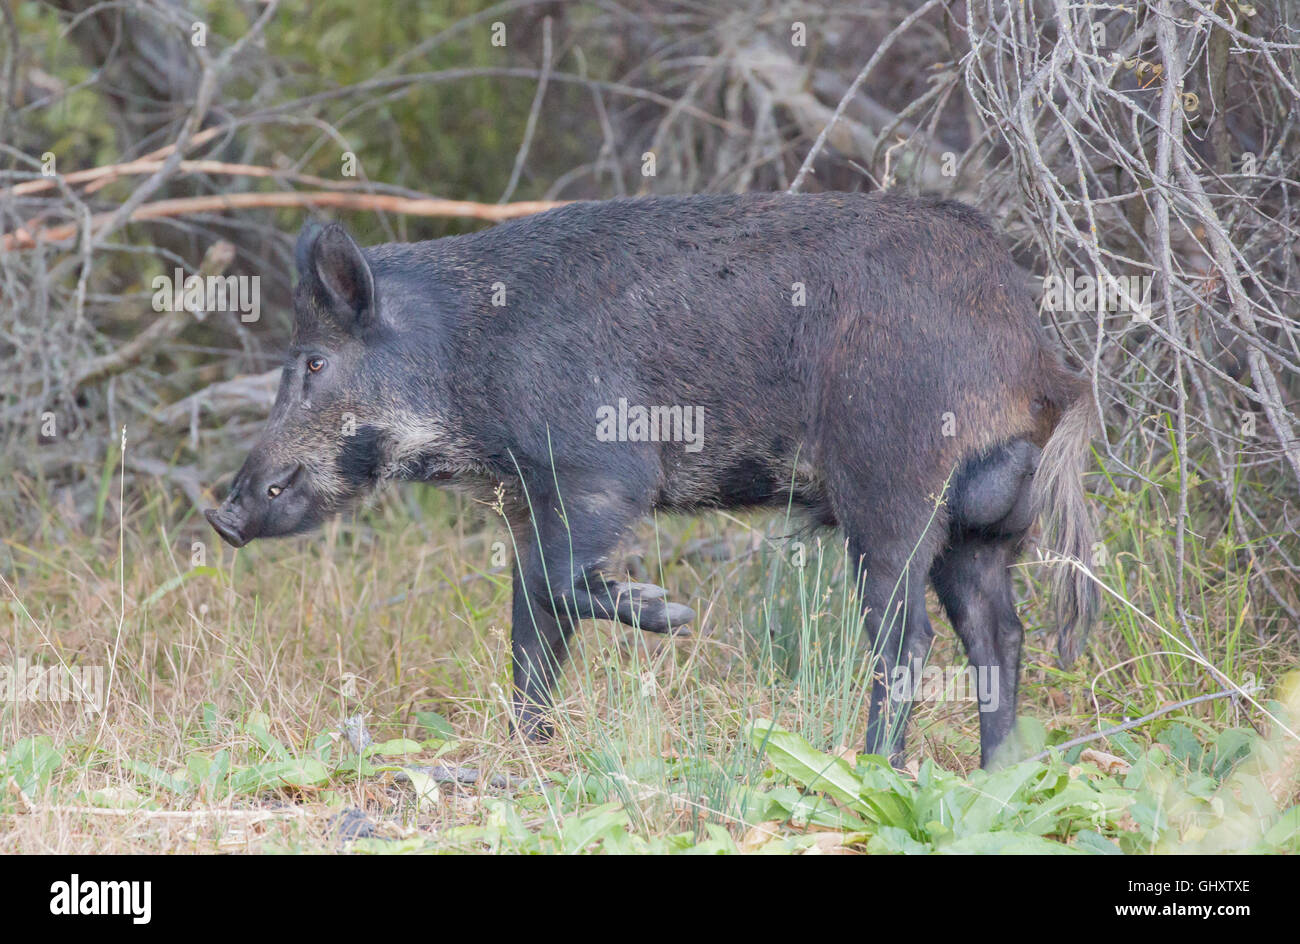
(874, 360)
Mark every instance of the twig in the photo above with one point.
(531, 125)
(1128, 725)
(374, 202)
(98, 177)
(876, 56)
(208, 84)
(291, 812)
(466, 776)
(246, 391)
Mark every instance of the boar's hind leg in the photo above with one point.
(973, 581)
(990, 512)
(899, 633)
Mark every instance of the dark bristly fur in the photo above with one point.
(917, 356)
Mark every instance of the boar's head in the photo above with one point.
(342, 419)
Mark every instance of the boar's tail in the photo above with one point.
(1067, 524)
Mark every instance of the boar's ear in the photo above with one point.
(330, 259)
(304, 248)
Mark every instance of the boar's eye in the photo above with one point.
(315, 364)
(274, 490)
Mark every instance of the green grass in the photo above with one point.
(234, 671)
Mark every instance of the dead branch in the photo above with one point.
(216, 203)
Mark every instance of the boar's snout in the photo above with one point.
(261, 505)
(222, 523)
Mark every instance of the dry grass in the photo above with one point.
(400, 611)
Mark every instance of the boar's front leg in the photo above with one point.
(539, 642)
(643, 606)
(557, 582)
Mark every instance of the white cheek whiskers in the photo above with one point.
(325, 481)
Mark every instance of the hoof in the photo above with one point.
(645, 606)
